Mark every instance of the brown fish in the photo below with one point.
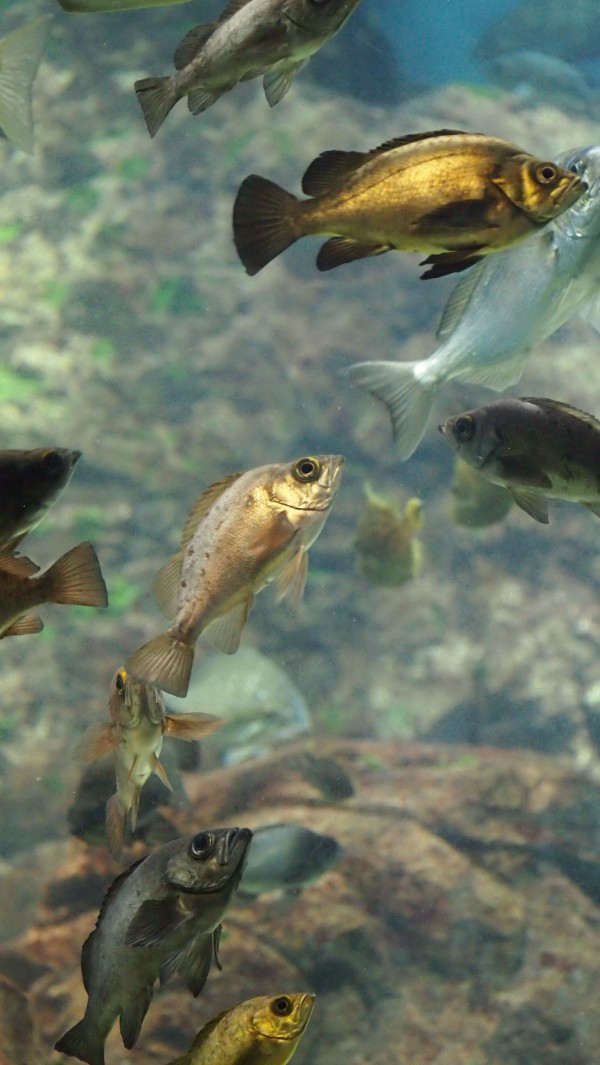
(260, 1031)
(538, 449)
(453, 195)
(244, 532)
(138, 723)
(74, 578)
(30, 482)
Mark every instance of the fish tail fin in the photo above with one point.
(116, 817)
(80, 1043)
(20, 55)
(165, 662)
(407, 399)
(156, 96)
(76, 578)
(264, 222)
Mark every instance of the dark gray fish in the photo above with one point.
(20, 55)
(163, 915)
(543, 78)
(285, 857)
(569, 30)
(272, 39)
(30, 482)
(538, 449)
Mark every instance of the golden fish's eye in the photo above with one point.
(202, 845)
(282, 1006)
(464, 427)
(546, 173)
(121, 681)
(307, 469)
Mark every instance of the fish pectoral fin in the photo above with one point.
(97, 740)
(154, 921)
(191, 726)
(451, 262)
(24, 626)
(459, 214)
(192, 43)
(330, 170)
(292, 579)
(167, 584)
(275, 536)
(225, 632)
(532, 501)
(340, 250)
(161, 772)
(194, 965)
(132, 1017)
(277, 82)
(519, 471)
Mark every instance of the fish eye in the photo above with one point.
(464, 427)
(574, 168)
(120, 681)
(201, 845)
(546, 173)
(307, 469)
(282, 1006)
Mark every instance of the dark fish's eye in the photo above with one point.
(307, 469)
(464, 427)
(282, 1006)
(201, 845)
(120, 681)
(546, 173)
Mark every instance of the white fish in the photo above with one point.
(20, 55)
(500, 310)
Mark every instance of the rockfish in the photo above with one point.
(538, 449)
(456, 196)
(244, 532)
(259, 1031)
(74, 579)
(500, 310)
(272, 39)
(163, 915)
(285, 857)
(139, 720)
(30, 482)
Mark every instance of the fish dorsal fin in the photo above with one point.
(232, 8)
(20, 566)
(109, 898)
(413, 138)
(203, 505)
(330, 169)
(459, 301)
(558, 407)
(192, 43)
(167, 584)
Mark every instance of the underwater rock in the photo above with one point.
(461, 923)
(19, 1037)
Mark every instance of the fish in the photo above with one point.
(21, 52)
(264, 1030)
(92, 7)
(75, 578)
(543, 78)
(286, 857)
(499, 311)
(30, 482)
(244, 532)
(161, 916)
(389, 551)
(566, 30)
(272, 39)
(454, 195)
(134, 735)
(477, 502)
(538, 449)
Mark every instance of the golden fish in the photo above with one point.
(453, 195)
(389, 552)
(74, 578)
(263, 1030)
(244, 532)
(138, 723)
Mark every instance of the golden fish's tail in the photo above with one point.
(156, 97)
(408, 400)
(264, 222)
(75, 578)
(165, 662)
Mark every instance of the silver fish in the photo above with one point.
(500, 310)
(20, 55)
(542, 78)
(285, 857)
(252, 38)
(163, 915)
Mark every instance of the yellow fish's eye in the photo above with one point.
(546, 173)
(307, 469)
(282, 1006)
(121, 681)
(464, 427)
